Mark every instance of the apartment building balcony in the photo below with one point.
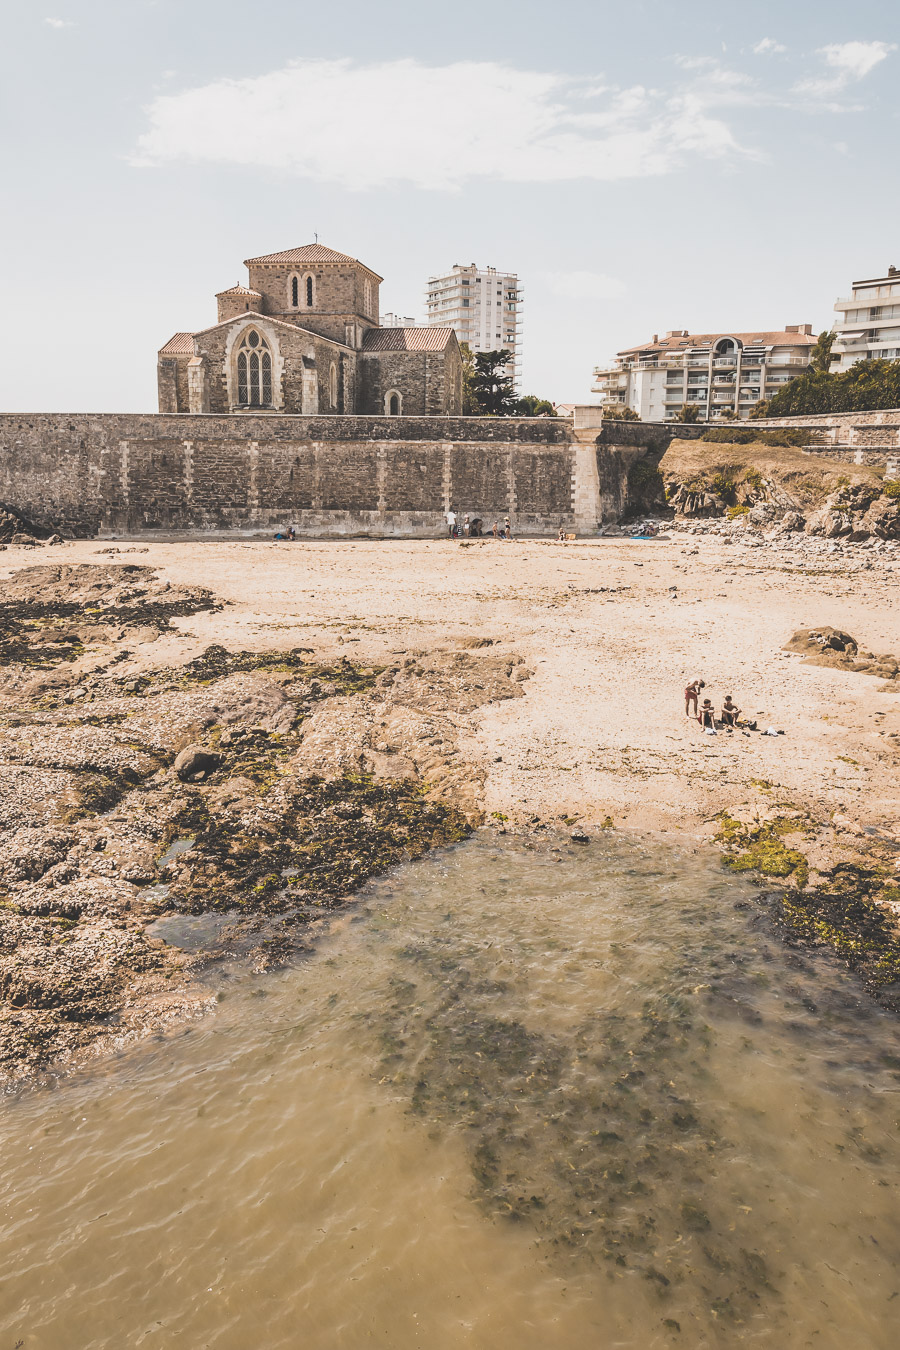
(866, 301)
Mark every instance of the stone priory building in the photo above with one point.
(304, 337)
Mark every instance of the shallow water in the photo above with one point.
(523, 1097)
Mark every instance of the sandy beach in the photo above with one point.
(610, 631)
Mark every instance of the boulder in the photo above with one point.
(883, 518)
(816, 641)
(196, 763)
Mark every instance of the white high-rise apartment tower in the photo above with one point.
(483, 306)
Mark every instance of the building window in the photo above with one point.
(254, 372)
(309, 287)
(333, 385)
(367, 296)
(295, 292)
(393, 403)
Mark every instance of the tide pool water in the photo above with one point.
(525, 1096)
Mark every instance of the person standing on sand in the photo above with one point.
(507, 528)
(496, 529)
(451, 522)
(690, 697)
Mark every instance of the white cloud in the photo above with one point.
(850, 61)
(436, 127)
(855, 59)
(582, 285)
(59, 23)
(769, 45)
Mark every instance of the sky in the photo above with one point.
(642, 166)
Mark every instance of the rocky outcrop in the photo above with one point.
(831, 647)
(259, 787)
(779, 490)
(856, 513)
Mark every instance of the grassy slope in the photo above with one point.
(808, 479)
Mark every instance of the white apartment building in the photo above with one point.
(717, 373)
(868, 327)
(483, 306)
(390, 320)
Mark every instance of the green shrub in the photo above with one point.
(892, 489)
(783, 436)
(734, 511)
(725, 436)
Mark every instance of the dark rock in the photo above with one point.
(195, 763)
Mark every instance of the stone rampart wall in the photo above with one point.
(866, 431)
(124, 473)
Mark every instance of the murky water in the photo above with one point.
(524, 1098)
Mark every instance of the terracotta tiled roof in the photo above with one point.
(181, 342)
(406, 339)
(309, 253)
(751, 339)
(239, 290)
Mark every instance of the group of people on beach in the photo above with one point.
(473, 527)
(705, 713)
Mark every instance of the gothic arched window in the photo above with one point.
(295, 292)
(393, 403)
(333, 385)
(310, 292)
(254, 371)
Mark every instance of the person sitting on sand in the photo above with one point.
(730, 712)
(707, 716)
(690, 697)
(561, 535)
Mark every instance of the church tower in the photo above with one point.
(319, 289)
